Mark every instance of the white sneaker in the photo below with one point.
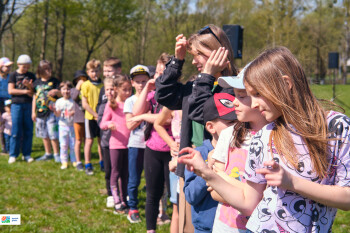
(28, 159)
(110, 202)
(12, 159)
(64, 165)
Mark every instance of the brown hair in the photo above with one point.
(164, 58)
(298, 106)
(120, 79)
(66, 83)
(239, 134)
(93, 64)
(113, 62)
(43, 65)
(209, 41)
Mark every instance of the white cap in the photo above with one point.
(139, 69)
(4, 61)
(24, 59)
(233, 81)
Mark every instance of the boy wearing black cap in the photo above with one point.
(218, 113)
(80, 77)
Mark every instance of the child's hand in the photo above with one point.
(193, 160)
(95, 116)
(112, 126)
(34, 117)
(211, 161)
(136, 118)
(52, 92)
(78, 86)
(216, 62)
(173, 165)
(27, 83)
(71, 113)
(150, 85)
(180, 47)
(174, 149)
(29, 92)
(275, 175)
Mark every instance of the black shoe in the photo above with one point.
(80, 167)
(121, 209)
(89, 171)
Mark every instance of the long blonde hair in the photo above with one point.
(209, 41)
(298, 106)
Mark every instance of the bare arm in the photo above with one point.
(87, 107)
(245, 199)
(329, 195)
(219, 166)
(34, 108)
(228, 179)
(13, 91)
(131, 125)
(142, 105)
(159, 123)
(148, 117)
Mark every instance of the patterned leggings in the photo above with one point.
(67, 139)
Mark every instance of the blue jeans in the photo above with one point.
(7, 142)
(135, 169)
(22, 128)
(174, 179)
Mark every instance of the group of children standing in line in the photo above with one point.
(262, 153)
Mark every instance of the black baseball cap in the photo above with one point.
(220, 105)
(78, 74)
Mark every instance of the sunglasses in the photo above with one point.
(207, 30)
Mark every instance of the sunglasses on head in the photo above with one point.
(207, 30)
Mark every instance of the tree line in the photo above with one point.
(71, 32)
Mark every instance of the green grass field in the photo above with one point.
(52, 200)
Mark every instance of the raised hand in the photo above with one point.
(216, 62)
(275, 175)
(193, 160)
(180, 47)
(150, 85)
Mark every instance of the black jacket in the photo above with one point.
(177, 96)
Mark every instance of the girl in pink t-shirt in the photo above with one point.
(157, 152)
(114, 119)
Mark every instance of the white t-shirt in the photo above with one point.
(137, 136)
(65, 106)
(222, 146)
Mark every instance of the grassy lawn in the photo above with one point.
(51, 200)
(54, 200)
(342, 95)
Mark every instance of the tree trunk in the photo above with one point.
(62, 42)
(13, 37)
(44, 34)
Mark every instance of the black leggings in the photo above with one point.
(108, 169)
(156, 166)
